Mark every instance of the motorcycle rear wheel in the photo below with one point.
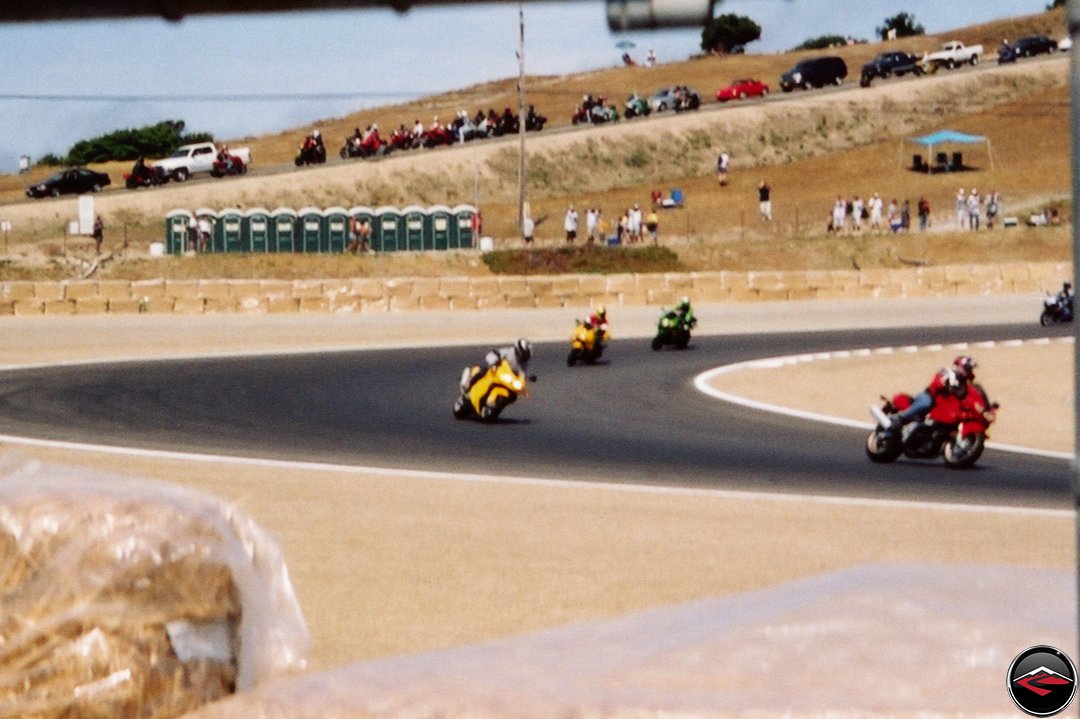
(657, 343)
(959, 457)
(572, 358)
(881, 448)
(461, 408)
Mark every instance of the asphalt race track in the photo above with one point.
(633, 417)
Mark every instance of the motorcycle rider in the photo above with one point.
(1064, 300)
(598, 318)
(952, 380)
(226, 159)
(683, 313)
(517, 355)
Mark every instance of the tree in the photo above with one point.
(822, 42)
(726, 31)
(903, 23)
(150, 141)
(1055, 3)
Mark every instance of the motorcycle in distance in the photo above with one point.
(954, 429)
(498, 387)
(636, 106)
(310, 154)
(143, 176)
(587, 343)
(234, 165)
(1057, 310)
(673, 329)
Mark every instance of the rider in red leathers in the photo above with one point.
(952, 380)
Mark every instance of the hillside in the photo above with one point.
(811, 146)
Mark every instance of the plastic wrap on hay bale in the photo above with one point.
(121, 598)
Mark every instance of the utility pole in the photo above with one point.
(521, 116)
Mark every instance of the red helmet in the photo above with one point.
(965, 367)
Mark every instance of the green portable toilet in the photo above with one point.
(413, 218)
(388, 234)
(362, 212)
(283, 223)
(335, 228)
(211, 242)
(228, 232)
(437, 231)
(177, 227)
(310, 237)
(257, 230)
(463, 235)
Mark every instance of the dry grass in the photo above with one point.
(811, 149)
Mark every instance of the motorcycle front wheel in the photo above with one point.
(882, 448)
(461, 408)
(572, 358)
(962, 453)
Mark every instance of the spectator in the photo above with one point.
(905, 216)
(592, 219)
(992, 207)
(974, 208)
(99, 234)
(765, 201)
(893, 216)
(839, 210)
(876, 205)
(722, 168)
(652, 224)
(857, 212)
(650, 58)
(528, 228)
(961, 209)
(359, 235)
(206, 228)
(570, 224)
(634, 223)
(924, 213)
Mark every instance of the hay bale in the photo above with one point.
(122, 598)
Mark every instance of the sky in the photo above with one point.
(67, 81)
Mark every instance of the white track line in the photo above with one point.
(703, 383)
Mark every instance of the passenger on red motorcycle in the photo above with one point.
(225, 158)
(953, 380)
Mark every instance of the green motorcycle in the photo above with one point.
(673, 329)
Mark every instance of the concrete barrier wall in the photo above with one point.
(477, 293)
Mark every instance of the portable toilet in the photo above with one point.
(413, 217)
(228, 232)
(335, 228)
(465, 226)
(310, 239)
(388, 235)
(362, 212)
(257, 230)
(177, 228)
(438, 219)
(209, 243)
(283, 230)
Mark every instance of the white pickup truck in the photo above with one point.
(198, 157)
(951, 54)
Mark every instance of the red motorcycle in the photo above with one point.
(437, 136)
(369, 147)
(144, 177)
(231, 165)
(955, 429)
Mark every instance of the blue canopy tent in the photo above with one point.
(938, 144)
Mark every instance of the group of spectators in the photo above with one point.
(970, 208)
(855, 214)
(633, 226)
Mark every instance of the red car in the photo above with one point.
(742, 89)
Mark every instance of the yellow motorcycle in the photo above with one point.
(485, 393)
(586, 344)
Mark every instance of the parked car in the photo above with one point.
(1065, 44)
(67, 182)
(1032, 45)
(742, 89)
(677, 98)
(815, 72)
(888, 64)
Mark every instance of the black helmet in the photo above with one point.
(522, 350)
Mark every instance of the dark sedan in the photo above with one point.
(1034, 45)
(67, 182)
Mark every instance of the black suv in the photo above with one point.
(815, 72)
(890, 63)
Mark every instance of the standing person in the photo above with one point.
(961, 209)
(650, 58)
(765, 201)
(570, 223)
(857, 209)
(635, 223)
(722, 161)
(528, 228)
(652, 224)
(924, 213)
(99, 234)
(839, 210)
(876, 205)
(905, 215)
(974, 206)
(592, 220)
(206, 228)
(992, 207)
